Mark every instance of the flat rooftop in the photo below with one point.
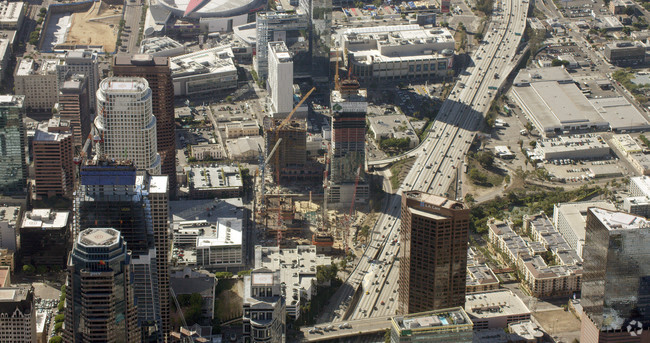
(209, 61)
(642, 183)
(205, 178)
(45, 219)
(620, 114)
(435, 200)
(494, 304)
(614, 220)
(99, 237)
(124, 84)
(218, 218)
(439, 320)
(9, 214)
(575, 213)
(571, 143)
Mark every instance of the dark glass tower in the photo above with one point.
(433, 253)
(13, 174)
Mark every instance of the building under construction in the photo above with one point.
(289, 162)
(281, 218)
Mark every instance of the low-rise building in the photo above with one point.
(503, 152)
(439, 326)
(640, 163)
(17, 314)
(495, 309)
(480, 277)
(620, 6)
(7, 260)
(577, 147)
(45, 237)
(297, 271)
(211, 182)
(570, 220)
(264, 307)
(387, 53)
(188, 281)
(242, 128)
(626, 144)
(525, 332)
(205, 71)
(206, 151)
(209, 233)
(638, 203)
(161, 47)
(12, 15)
(244, 148)
(38, 82)
(543, 280)
(624, 53)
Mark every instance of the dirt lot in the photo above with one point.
(559, 323)
(85, 29)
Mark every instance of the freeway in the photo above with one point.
(357, 328)
(438, 159)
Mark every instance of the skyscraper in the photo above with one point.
(616, 277)
(156, 70)
(280, 83)
(54, 171)
(291, 28)
(433, 253)
(320, 42)
(116, 195)
(99, 293)
(125, 124)
(82, 62)
(75, 106)
(13, 174)
(349, 107)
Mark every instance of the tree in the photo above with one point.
(326, 274)
(58, 327)
(41, 270)
(223, 275)
(478, 36)
(29, 269)
(59, 318)
(244, 273)
(485, 158)
(56, 339)
(626, 30)
(529, 126)
(60, 306)
(43, 10)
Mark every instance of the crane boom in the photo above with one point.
(275, 147)
(288, 118)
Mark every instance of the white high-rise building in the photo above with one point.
(280, 78)
(81, 62)
(126, 126)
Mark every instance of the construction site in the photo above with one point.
(323, 217)
(92, 24)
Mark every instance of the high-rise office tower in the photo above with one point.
(616, 278)
(264, 307)
(114, 194)
(348, 150)
(320, 42)
(75, 106)
(54, 171)
(125, 124)
(13, 173)
(17, 314)
(99, 293)
(280, 83)
(433, 253)
(291, 28)
(156, 70)
(83, 62)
